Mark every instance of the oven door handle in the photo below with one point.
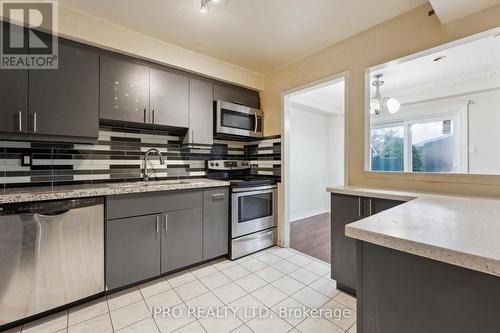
(256, 122)
(253, 189)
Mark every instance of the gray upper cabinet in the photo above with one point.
(169, 98)
(182, 241)
(215, 223)
(124, 90)
(201, 119)
(65, 101)
(14, 97)
(132, 250)
(236, 95)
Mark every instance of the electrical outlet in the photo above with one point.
(26, 160)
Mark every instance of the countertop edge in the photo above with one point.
(441, 254)
(103, 191)
(374, 193)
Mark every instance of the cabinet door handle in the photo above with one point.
(145, 120)
(192, 136)
(34, 122)
(359, 206)
(371, 207)
(166, 222)
(218, 196)
(153, 116)
(157, 224)
(20, 121)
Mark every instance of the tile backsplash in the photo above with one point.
(119, 156)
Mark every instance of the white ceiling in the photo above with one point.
(467, 67)
(260, 35)
(451, 10)
(327, 98)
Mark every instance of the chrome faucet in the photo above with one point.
(146, 158)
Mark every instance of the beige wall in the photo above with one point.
(94, 31)
(404, 35)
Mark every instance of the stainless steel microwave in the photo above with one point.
(237, 120)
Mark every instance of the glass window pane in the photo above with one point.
(387, 148)
(434, 147)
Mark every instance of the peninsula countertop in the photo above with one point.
(459, 230)
(84, 191)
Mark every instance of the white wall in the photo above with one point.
(316, 160)
(484, 134)
(95, 31)
(336, 149)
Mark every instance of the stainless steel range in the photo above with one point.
(253, 217)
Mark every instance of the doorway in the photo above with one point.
(314, 159)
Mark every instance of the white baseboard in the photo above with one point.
(310, 213)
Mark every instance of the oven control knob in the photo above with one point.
(216, 164)
(211, 163)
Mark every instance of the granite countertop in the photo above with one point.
(459, 230)
(83, 191)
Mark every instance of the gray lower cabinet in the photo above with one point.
(201, 111)
(236, 95)
(169, 98)
(132, 250)
(346, 209)
(124, 90)
(215, 223)
(149, 234)
(401, 292)
(65, 101)
(378, 205)
(181, 244)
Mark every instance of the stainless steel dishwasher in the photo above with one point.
(51, 254)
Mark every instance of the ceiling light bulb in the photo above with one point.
(374, 106)
(204, 6)
(393, 105)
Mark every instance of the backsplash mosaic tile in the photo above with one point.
(119, 156)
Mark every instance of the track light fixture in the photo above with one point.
(205, 5)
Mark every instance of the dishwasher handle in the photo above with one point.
(53, 213)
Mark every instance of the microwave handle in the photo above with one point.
(256, 120)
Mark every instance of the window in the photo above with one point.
(387, 148)
(433, 147)
(432, 144)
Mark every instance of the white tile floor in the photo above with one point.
(273, 283)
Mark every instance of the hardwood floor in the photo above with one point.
(312, 236)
